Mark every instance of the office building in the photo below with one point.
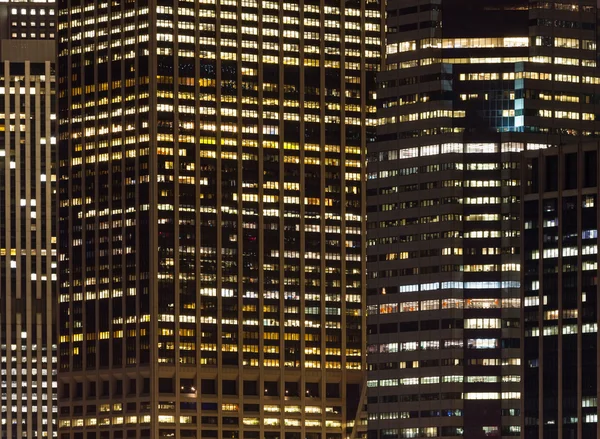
(560, 292)
(467, 87)
(211, 216)
(28, 20)
(27, 229)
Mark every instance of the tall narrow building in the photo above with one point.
(211, 216)
(560, 292)
(467, 87)
(28, 260)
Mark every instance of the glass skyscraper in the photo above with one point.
(211, 216)
(28, 259)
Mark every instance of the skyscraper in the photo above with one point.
(466, 88)
(560, 292)
(27, 230)
(212, 216)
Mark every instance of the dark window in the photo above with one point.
(229, 387)
(427, 325)
(312, 390)
(387, 328)
(105, 388)
(208, 387)
(571, 171)
(132, 386)
(552, 173)
(165, 385)
(146, 385)
(332, 390)
(292, 388)
(271, 388)
(250, 388)
(590, 169)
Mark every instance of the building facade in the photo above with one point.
(467, 87)
(28, 259)
(211, 216)
(560, 292)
